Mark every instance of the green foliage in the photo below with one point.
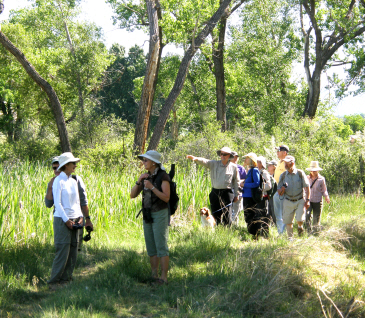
(356, 122)
(259, 91)
(117, 94)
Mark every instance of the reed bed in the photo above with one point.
(23, 214)
(213, 273)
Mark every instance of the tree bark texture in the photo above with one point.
(150, 79)
(181, 75)
(324, 50)
(218, 60)
(46, 87)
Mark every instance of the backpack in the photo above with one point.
(174, 198)
(257, 193)
(274, 187)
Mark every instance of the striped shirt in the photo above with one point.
(319, 188)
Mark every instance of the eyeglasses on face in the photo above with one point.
(225, 154)
(145, 160)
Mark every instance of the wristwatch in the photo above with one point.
(138, 183)
(87, 217)
(307, 200)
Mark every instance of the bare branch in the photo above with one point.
(236, 7)
(349, 12)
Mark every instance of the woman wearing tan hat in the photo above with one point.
(318, 190)
(225, 182)
(155, 185)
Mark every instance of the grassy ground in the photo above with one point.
(213, 274)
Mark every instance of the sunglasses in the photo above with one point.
(225, 154)
(54, 168)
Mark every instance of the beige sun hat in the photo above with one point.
(226, 150)
(314, 166)
(252, 156)
(154, 156)
(262, 159)
(289, 159)
(65, 158)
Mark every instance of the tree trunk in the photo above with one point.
(46, 87)
(218, 60)
(150, 79)
(313, 94)
(181, 75)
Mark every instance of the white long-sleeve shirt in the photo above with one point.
(66, 197)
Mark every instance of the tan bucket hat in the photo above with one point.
(314, 166)
(226, 150)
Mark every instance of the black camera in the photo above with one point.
(285, 185)
(87, 237)
(77, 226)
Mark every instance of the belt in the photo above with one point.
(293, 200)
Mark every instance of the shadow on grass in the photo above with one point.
(209, 276)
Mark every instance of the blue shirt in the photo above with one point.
(252, 181)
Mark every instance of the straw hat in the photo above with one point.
(154, 156)
(252, 156)
(226, 150)
(65, 158)
(314, 166)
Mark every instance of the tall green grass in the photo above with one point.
(23, 214)
(213, 273)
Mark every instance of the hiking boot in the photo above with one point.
(300, 231)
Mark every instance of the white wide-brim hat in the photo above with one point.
(262, 160)
(252, 156)
(154, 156)
(314, 166)
(226, 150)
(65, 158)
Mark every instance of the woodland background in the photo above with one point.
(238, 87)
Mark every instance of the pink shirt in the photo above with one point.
(319, 188)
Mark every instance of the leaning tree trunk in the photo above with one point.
(218, 60)
(181, 75)
(150, 79)
(46, 87)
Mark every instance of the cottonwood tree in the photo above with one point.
(327, 26)
(73, 52)
(216, 62)
(196, 42)
(264, 45)
(169, 21)
(54, 102)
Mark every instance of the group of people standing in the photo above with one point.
(287, 192)
(233, 185)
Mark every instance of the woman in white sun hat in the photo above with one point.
(318, 190)
(67, 221)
